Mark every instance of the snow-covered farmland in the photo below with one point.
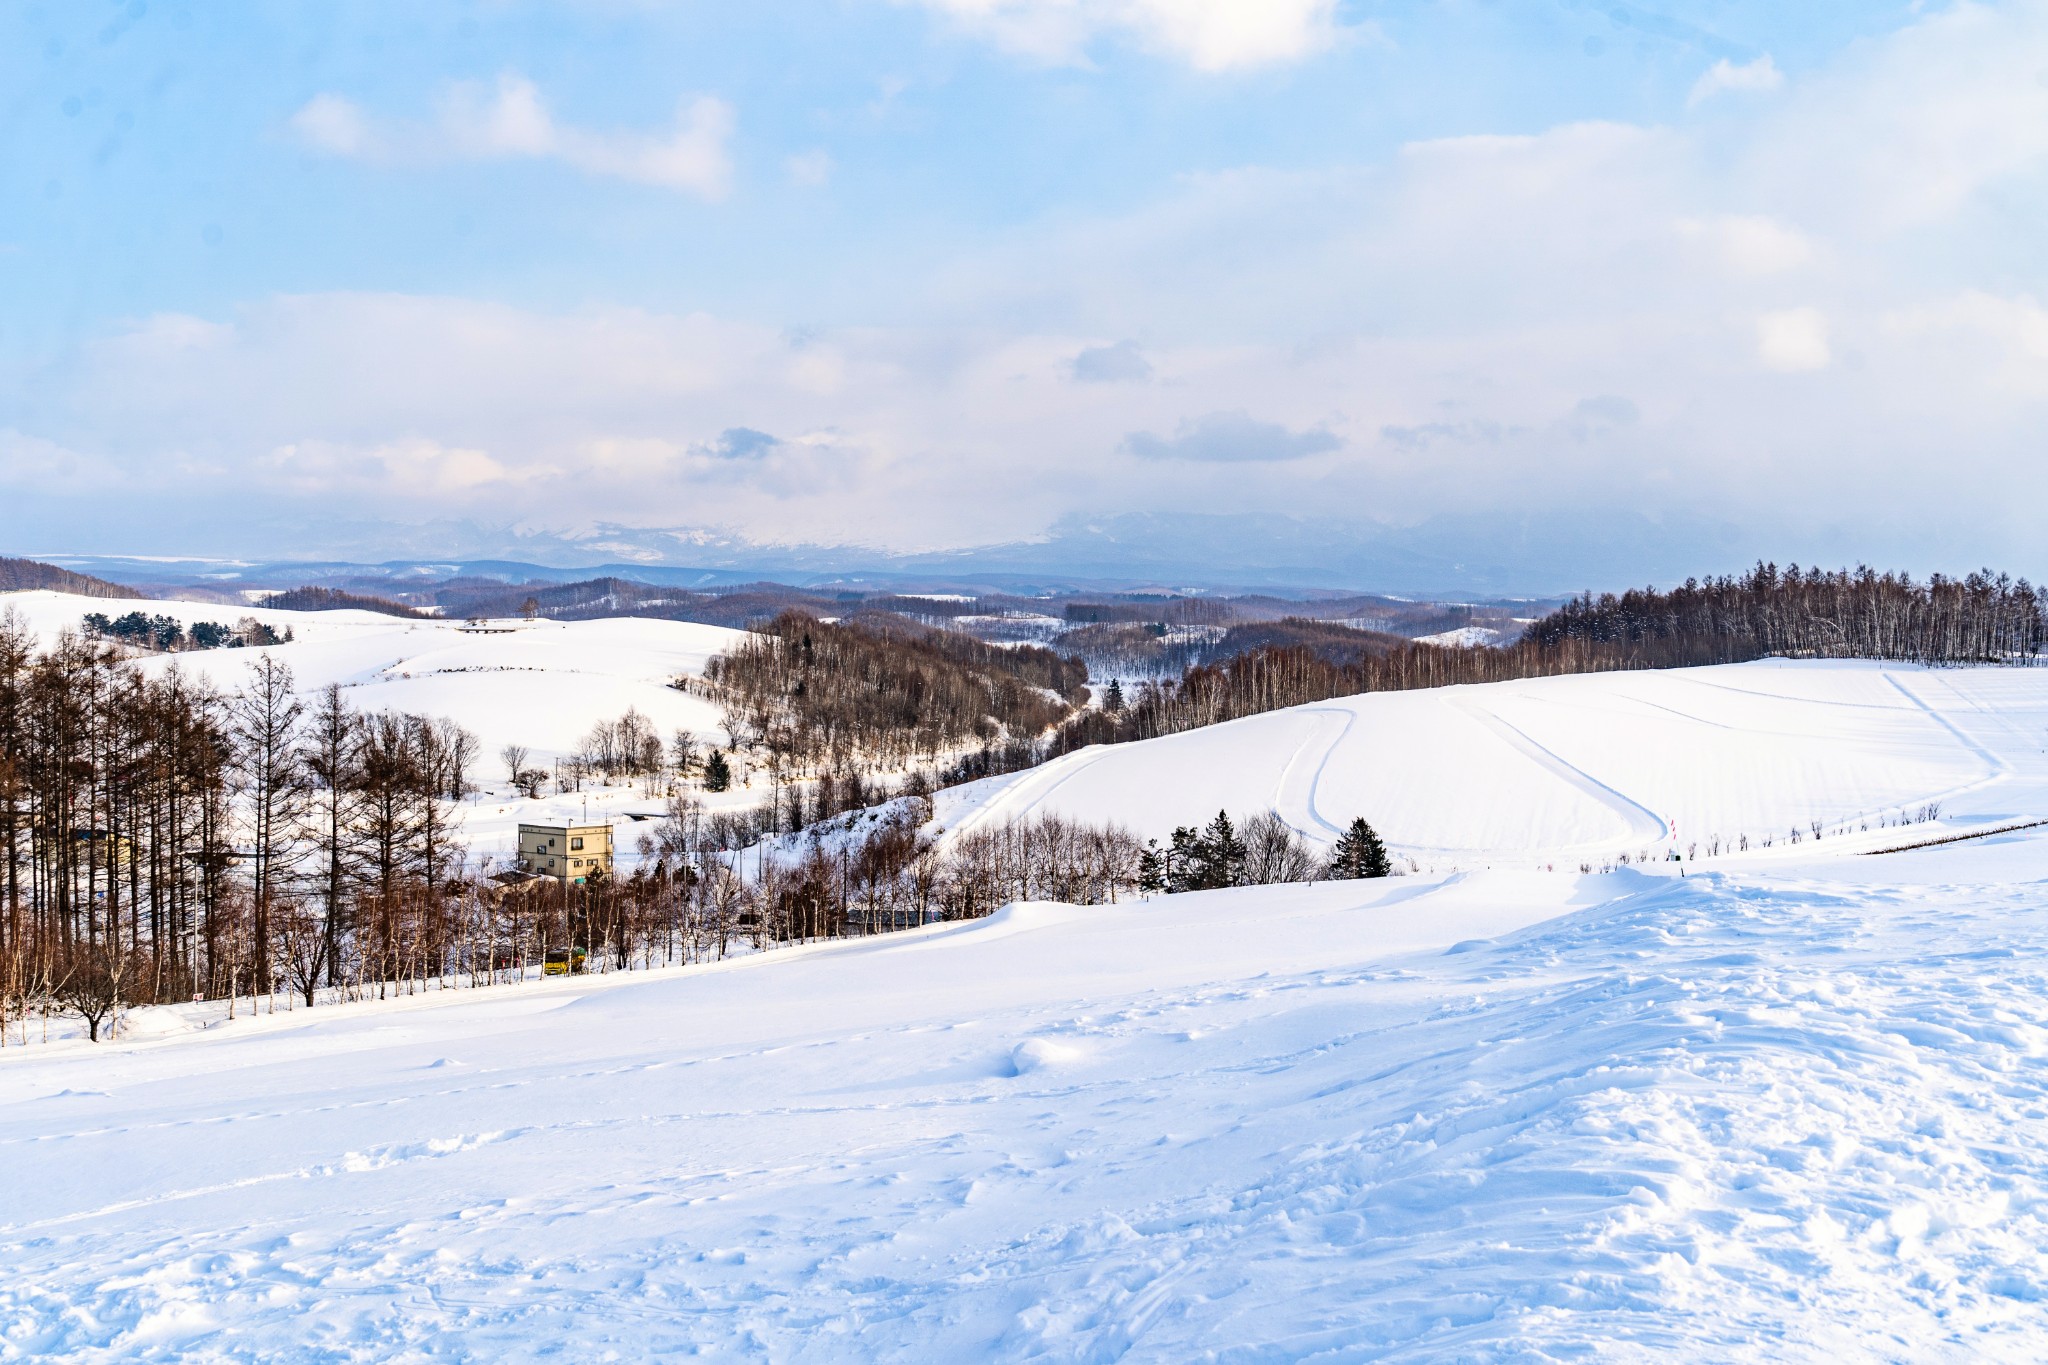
(538, 683)
(541, 684)
(1491, 1116)
(1789, 1105)
(1464, 637)
(1558, 771)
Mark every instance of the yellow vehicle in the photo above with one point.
(563, 962)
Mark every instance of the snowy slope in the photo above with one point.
(541, 684)
(1787, 1115)
(1464, 637)
(1558, 770)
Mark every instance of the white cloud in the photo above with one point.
(1231, 437)
(1982, 337)
(810, 168)
(407, 468)
(1910, 130)
(1208, 35)
(1751, 244)
(332, 124)
(510, 120)
(1510, 327)
(1754, 77)
(1793, 340)
(34, 462)
(1121, 363)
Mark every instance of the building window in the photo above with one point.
(576, 844)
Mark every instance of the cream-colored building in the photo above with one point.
(567, 852)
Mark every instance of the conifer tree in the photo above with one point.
(1359, 853)
(1152, 878)
(1222, 854)
(717, 772)
(1184, 861)
(1113, 698)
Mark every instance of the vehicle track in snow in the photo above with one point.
(1295, 794)
(1030, 787)
(2000, 769)
(1646, 823)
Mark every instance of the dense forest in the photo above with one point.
(336, 599)
(23, 575)
(1815, 614)
(880, 692)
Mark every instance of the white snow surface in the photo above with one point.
(1490, 1116)
(1788, 1107)
(1464, 637)
(540, 683)
(1556, 771)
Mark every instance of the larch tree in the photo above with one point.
(273, 778)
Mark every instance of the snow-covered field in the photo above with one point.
(1491, 1116)
(1558, 771)
(1792, 1105)
(540, 684)
(1464, 637)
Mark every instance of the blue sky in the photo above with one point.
(293, 277)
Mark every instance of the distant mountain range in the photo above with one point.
(1441, 559)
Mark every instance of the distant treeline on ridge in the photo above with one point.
(27, 575)
(1811, 613)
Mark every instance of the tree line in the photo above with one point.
(1812, 613)
(163, 840)
(1793, 613)
(881, 693)
(886, 869)
(167, 634)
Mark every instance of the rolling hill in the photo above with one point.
(1760, 1104)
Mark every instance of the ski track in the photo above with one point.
(1020, 798)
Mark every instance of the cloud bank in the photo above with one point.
(510, 121)
(1816, 309)
(1207, 35)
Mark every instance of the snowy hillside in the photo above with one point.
(1495, 1116)
(541, 684)
(1776, 1104)
(1561, 770)
(1464, 637)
